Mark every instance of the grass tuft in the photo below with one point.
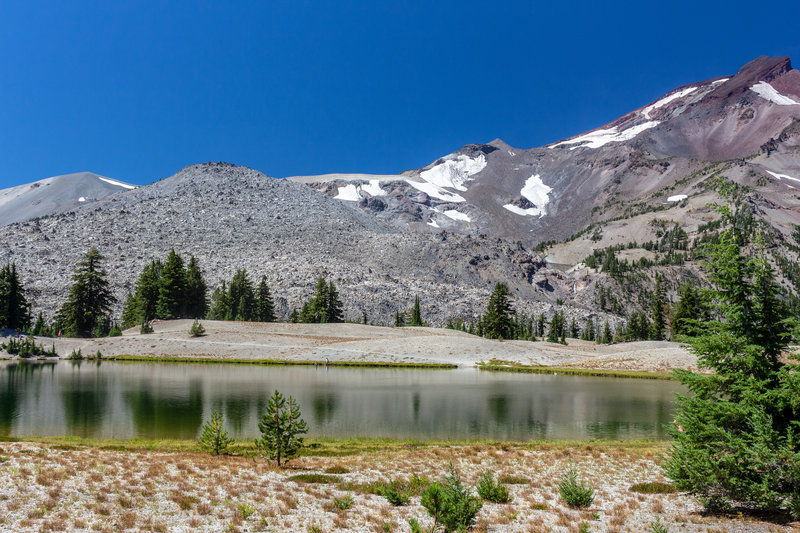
(654, 487)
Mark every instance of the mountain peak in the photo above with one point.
(762, 68)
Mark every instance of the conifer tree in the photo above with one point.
(281, 427)
(399, 319)
(40, 328)
(266, 307)
(498, 322)
(220, 304)
(540, 325)
(172, 288)
(690, 312)
(131, 313)
(334, 311)
(147, 292)
(658, 310)
(195, 300)
(89, 302)
(14, 307)
(214, 438)
(416, 314)
(607, 336)
(242, 297)
(574, 331)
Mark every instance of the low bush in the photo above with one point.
(395, 494)
(574, 493)
(654, 487)
(27, 347)
(336, 470)
(197, 329)
(343, 503)
(313, 478)
(450, 503)
(491, 491)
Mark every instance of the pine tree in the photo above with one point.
(264, 303)
(574, 331)
(14, 307)
(607, 336)
(735, 434)
(172, 289)
(399, 319)
(147, 292)
(242, 297)
(131, 313)
(658, 310)
(498, 323)
(89, 301)
(214, 438)
(690, 312)
(334, 311)
(220, 304)
(416, 315)
(280, 428)
(195, 300)
(40, 328)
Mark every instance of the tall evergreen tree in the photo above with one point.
(89, 301)
(172, 289)
(131, 313)
(266, 307)
(334, 311)
(498, 322)
(735, 435)
(658, 304)
(220, 306)
(690, 312)
(147, 291)
(195, 299)
(14, 307)
(416, 314)
(242, 297)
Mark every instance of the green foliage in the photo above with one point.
(214, 438)
(195, 303)
(344, 503)
(313, 478)
(281, 427)
(654, 487)
(657, 526)
(27, 347)
(265, 307)
(497, 322)
(324, 306)
(172, 288)
(450, 503)
(735, 435)
(574, 493)
(396, 494)
(658, 307)
(491, 491)
(14, 307)
(246, 509)
(416, 314)
(399, 319)
(197, 329)
(75, 356)
(145, 328)
(89, 301)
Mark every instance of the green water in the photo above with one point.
(149, 400)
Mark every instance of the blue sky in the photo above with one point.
(136, 90)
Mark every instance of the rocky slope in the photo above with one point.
(55, 195)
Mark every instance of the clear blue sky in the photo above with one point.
(136, 90)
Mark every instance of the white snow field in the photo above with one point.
(453, 173)
(768, 92)
(436, 192)
(457, 215)
(537, 193)
(667, 99)
(678, 198)
(598, 138)
(351, 191)
(117, 183)
(782, 176)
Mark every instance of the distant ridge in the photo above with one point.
(55, 195)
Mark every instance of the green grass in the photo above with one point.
(654, 487)
(275, 362)
(313, 478)
(329, 447)
(507, 366)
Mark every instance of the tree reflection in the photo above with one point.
(158, 415)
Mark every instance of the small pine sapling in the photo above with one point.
(197, 329)
(214, 438)
(280, 428)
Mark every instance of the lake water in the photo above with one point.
(149, 400)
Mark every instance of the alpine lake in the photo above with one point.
(123, 400)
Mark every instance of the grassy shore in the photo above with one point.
(496, 365)
(278, 362)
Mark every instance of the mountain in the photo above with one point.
(55, 195)
(647, 156)
(584, 224)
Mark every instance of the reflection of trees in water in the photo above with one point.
(85, 400)
(415, 402)
(324, 406)
(18, 377)
(159, 415)
(498, 407)
(236, 411)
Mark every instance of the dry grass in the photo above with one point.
(47, 488)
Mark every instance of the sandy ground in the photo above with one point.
(59, 488)
(356, 342)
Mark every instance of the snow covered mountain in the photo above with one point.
(648, 159)
(55, 195)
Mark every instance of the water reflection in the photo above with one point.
(172, 401)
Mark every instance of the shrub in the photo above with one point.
(197, 329)
(343, 503)
(75, 356)
(573, 493)
(280, 428)
(658, 527)
(450, 503)
(214, 438)
(395, 494)
(654, 487)
(313, 478)
(491, 491)
(337, 469)
(146, 328)
(246, 510)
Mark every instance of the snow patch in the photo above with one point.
(667, 99)
(678, 198)
(598, 138)
(537, 193)
(81, 199)
(433, 223)
(349, 193)
(782, 176)
(117, 183)
(768, 92)
(373, 188)
(453, 173)
(436, 192)
(723, 80)
(457, 215)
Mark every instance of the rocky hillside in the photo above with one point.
(55, 195)
(233, 217)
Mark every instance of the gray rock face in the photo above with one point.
(55, 195)
(233, 217)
